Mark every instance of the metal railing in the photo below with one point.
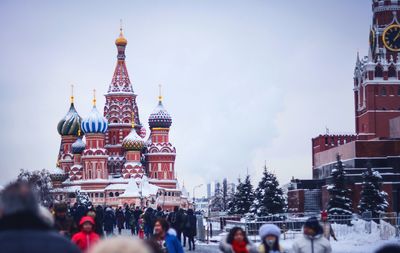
(387, 225)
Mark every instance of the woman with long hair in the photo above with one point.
(269, 235)
(237, 242)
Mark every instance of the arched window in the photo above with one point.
(383, 91)
(116, 194)
(101, 195)
(392, 71)
(398, 92)
(111, 194)
(378, 71)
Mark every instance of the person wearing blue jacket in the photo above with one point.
(166, 237)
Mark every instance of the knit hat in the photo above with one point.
(313, 224)
(86, 219)
(269, 229)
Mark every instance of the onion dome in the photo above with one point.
(160, 117)
(95, 122)
(78, 146)
(133, 141)
(57, 174)
(69, 125)
(121, 41)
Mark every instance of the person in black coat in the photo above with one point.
(128, 216)
(23, 229)
(190, 229)
(99, 219)
(109, 221)
(120, 217)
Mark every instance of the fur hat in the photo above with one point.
(269, 229)
(120, 244)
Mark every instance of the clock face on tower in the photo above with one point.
(391, 37)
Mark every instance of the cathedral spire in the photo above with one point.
(120, 81)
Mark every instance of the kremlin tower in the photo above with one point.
(106, 157)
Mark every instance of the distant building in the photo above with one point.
(377, 122)
(209, 194)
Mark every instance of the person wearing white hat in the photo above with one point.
(269, 235)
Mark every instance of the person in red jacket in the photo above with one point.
(87, 237)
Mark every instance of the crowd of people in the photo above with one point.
(25, 226)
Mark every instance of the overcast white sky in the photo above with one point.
(245, 81)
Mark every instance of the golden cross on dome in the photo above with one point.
(94, 97)
(72, 93)
(159, 93)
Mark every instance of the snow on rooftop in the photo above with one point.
(132, 190)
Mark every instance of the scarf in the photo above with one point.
(239, 247)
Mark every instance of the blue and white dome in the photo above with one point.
(94, 123)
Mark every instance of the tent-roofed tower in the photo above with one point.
(119, 107)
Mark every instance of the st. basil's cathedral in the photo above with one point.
(107, 158)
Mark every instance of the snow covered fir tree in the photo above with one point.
(243, 198)
(339, 201)
(372, 198)
(269, 198)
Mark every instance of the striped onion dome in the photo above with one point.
(69, 125)
(94, 123)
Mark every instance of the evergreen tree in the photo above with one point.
(339, 201)
(217, 204)
(243, 198)
(269, 197)
(372, 198)
(225, 196)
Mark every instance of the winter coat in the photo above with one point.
(174, 220)
(65, 225)
(25, 232)
(312, 244)
(172, 244)
(119, 215)
(109, 221)
(99, 220)
(83, 239)
(190, 228)
(225, 247)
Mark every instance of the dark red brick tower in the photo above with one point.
(377, 76)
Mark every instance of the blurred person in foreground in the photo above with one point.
(312, 240)
(120, 244)
(166, 237)
(237, 242)
(269, 235)
(389, 248)
(87, 237)
(25, 227)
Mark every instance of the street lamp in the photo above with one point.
(194, 188)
